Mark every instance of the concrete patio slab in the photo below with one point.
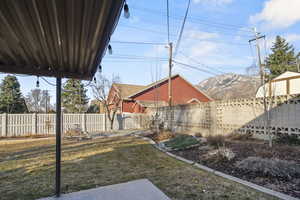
(141, 189)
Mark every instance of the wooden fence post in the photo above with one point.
(104, 122)
(34, 123)
(4, 124)
(83, 122)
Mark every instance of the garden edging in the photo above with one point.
(226, 176)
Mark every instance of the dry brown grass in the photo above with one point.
(27, 170)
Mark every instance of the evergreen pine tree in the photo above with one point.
(282, 58)
(74, 98)
(11, 100)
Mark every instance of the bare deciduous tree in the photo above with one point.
(38, 100)
(101, 89)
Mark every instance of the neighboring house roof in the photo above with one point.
(279, 86)
(151, 85)
(287, 74)
(164, 80)
(126, 90)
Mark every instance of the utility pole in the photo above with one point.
(298, 64)
(170, 84)
(170, 72)
(261, 67)
(267, 116)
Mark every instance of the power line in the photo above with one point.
(48, 82)
(208, 21)
(132, 60)
(125, 56)
(182, 28)
(265, 45)
(195, 67)
(132, 42)
(187, 37)
(252, 53)
(197, 62)
(53, 84)
(163, 33)
(198, 20)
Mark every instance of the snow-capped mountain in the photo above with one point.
(230, 86)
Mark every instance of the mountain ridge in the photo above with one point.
(230, 86)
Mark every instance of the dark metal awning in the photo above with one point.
(59, 38)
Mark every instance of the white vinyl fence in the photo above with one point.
(12, 125)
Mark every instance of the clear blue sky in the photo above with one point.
(215, 36)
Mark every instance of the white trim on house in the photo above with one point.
(193, 99)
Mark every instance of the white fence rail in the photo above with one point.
(13, 125)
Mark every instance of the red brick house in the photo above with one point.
(138, 99)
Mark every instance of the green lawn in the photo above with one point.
(27, 170)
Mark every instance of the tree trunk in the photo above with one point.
(111, 124)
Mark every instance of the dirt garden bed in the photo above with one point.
(261, 165)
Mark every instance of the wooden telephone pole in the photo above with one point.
(170, 85)
(170, 72)
(267, 115)
(261, 67)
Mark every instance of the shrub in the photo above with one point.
(223, 153)
(240, 136)
(288, 139)
(181, 142)
(216, 140)
(198, 134)
(270, 167)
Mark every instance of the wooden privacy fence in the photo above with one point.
(13, 125)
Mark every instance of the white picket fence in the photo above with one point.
(12, 125)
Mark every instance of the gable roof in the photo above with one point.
(287, 74)
(127, 89)
(164, 80)
(152, 85)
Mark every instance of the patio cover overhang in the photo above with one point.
(57, 38)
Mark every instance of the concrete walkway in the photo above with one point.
(141, 189)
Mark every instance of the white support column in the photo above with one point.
(4, 124)
(34, 124)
